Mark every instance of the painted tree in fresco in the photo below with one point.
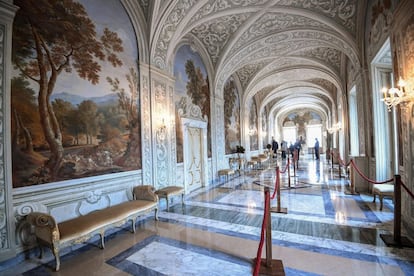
(195, 83)
(51, 37)
(254, 144)
(229, 106)
(129, 104)
(89, 118)
(199, 92)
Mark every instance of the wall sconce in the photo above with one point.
(394, 96)
(335, 128)
(162, 131)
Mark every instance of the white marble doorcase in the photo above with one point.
(195, 153)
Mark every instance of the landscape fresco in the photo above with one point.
(265, 130)
(191, 81)
(74, 96)
(253, 124)
(300, 119)
(231, 116)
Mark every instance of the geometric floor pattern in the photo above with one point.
(326, 231)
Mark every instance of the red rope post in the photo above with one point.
(397, 208)
(278, 187)
(278, 208)
(264, 226)
(396, 239)
(352, 179)
(288, 164)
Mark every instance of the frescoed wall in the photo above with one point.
(231, 116)
(253, 125)
(301, 119)
(74, 93)
(265, 129)
(191, 81)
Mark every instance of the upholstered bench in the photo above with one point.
(251, 164)
(170, 191)
(58, 235)
(382, 190)
(226, 173)
(262, 159)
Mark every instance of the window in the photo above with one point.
(290, 134)
(353, 122)
(312, 132)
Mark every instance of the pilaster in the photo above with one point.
(219, 140)
(164, 155)
(7, 237)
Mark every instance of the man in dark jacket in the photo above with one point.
(275, 147)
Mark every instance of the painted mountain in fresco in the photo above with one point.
(74, 95)
(109, 99)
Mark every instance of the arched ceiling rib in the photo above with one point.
(272, 46)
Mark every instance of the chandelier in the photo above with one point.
(394, 96)
(335, 128)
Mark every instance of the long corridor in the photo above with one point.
(326, 231)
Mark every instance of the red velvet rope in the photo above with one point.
(276, 184)
(264, 225)
(340, 160)
(408, 191)
(287, 165)
(295, 156)
(366, 178)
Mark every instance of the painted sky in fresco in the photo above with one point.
(183, 54)
(113, 16)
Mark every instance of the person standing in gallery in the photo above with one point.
(283, 146)
(275, 147)
(316, 148)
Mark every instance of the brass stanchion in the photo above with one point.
(278, 208)
(294, 165)
(339, 169)
(269, 266)
(396, 240)
(351, 180)
(288, 168)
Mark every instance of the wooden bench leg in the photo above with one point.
(102, 234)
(381, 197)
(40, 250)
(57, 258)
(373, 201)
(134, 220)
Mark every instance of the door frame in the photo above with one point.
(202, 125)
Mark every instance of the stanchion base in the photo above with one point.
(389, 241)
(276, 268)
(351, 193)
(278, 210)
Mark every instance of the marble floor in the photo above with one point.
(326, 231)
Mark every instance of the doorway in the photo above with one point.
(195, 153)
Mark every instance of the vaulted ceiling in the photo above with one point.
(288, 54)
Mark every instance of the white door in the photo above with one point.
(193, 158)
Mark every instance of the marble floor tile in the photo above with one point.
(217, 232)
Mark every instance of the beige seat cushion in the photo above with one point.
(83, 225)
(383, 189)
(170, 191)
(226, 172)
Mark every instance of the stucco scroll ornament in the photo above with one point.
(93, 196)
(189, 110)
(381, 27)
(24, 231)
